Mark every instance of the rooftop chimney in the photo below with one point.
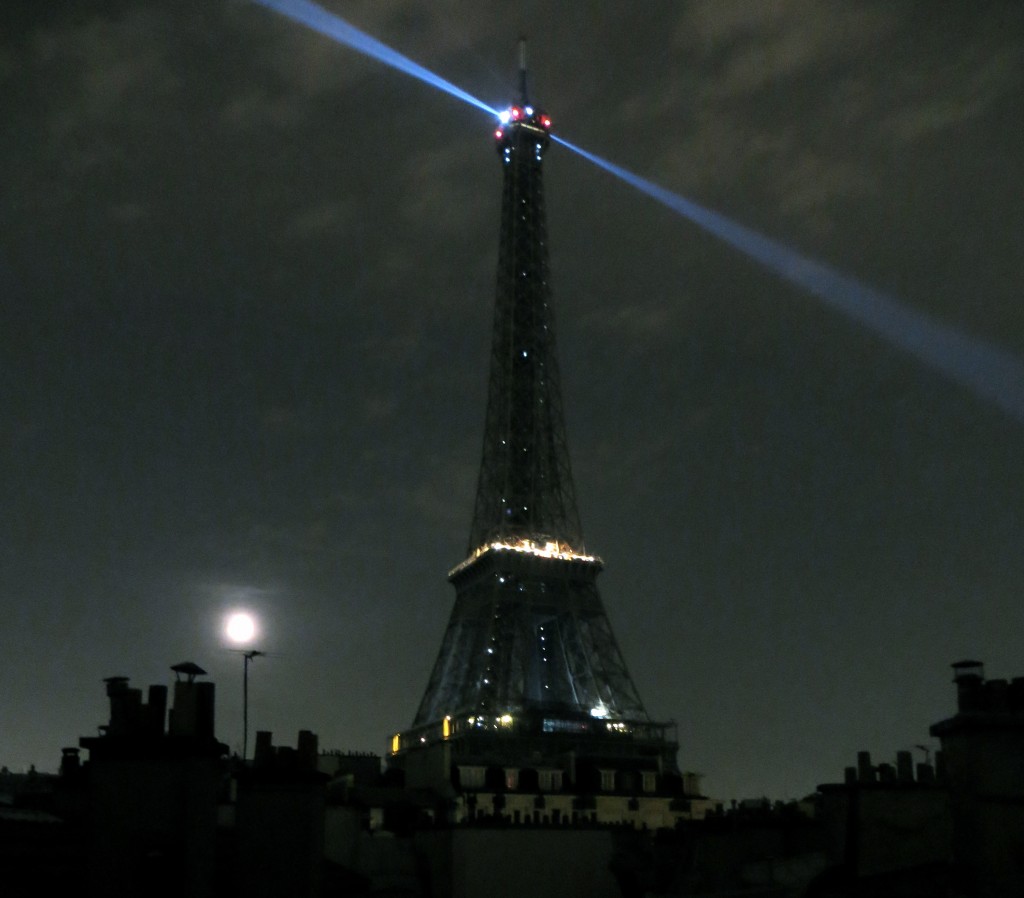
(969, 677)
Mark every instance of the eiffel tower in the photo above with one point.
(529, 676)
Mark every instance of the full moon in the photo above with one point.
(240, 627)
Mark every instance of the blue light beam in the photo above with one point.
(991, 373)
(319, 19)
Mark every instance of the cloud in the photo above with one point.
(433, 500)
(129, 212)
(636, 325)
(257, 107)
(812, 181)
(319, 220)
(314, 64)
(763, 44)
(379, 406)
(947, 92)
(102, 63)
(797, 102)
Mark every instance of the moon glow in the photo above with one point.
(240, 627)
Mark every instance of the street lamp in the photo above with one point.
(246, 658)
(240, 628)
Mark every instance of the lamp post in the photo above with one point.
(246, 658)
(240, 628)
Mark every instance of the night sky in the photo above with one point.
(246, 284)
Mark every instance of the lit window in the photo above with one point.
(471, 777)
(549, 780)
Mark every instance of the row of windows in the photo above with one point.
(547, 780)
(473, 777)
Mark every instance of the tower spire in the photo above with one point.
(523, 97)
(525, 489)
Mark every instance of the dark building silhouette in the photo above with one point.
(530, 692)
(151, 794)
(983, 761)
(886, 826)
(279, 821)
(160, 809)
(954, 828)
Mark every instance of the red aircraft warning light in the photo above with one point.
(522, 117)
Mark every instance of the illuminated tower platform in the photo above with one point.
(530, 695)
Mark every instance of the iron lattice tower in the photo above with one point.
(528, 650)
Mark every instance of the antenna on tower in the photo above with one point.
(522, 71)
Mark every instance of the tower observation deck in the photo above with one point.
(529, 673)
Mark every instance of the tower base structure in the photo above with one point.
(530, 715)
(546, 767)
